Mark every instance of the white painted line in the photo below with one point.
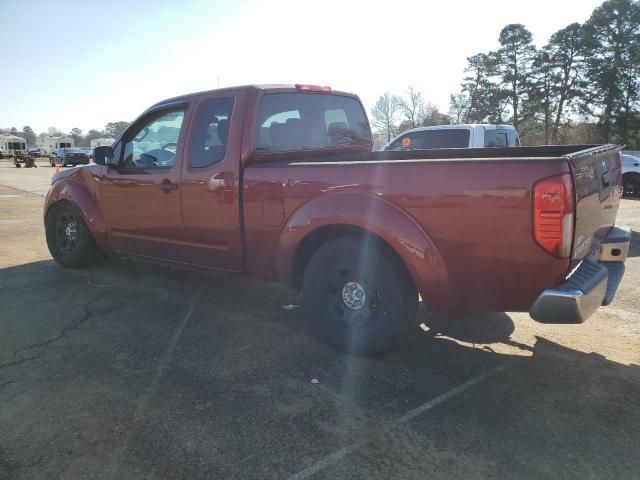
(327, 461)
(10, 196)
(338, 455)
(425, 407)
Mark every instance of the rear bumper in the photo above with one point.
(591, 285)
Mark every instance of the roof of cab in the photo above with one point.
(267, 86)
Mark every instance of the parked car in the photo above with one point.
(68, 156)
(88, 151)
(631, 175)
(280, 183)
(456, 136)
(33, 152)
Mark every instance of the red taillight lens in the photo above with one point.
(313, 88)
(553, 207)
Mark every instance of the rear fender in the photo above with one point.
(76, 192)
(372, 214)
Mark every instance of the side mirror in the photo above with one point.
(104, 156)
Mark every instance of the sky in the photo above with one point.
(83, 64)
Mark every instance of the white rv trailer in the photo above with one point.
(11, 145)
(48, 144)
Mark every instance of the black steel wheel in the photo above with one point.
(69, 240)
(358, 298)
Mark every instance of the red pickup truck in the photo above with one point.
(279, 182)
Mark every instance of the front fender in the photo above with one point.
(373, 214)
(74, 189)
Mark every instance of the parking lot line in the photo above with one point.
(338, 455)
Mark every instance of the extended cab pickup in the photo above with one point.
(279, 182)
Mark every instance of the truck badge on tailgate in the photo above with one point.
(583, 245)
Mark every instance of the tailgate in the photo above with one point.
(597, 177)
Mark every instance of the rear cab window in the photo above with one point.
(309, 121)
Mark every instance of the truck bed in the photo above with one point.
(475, 206)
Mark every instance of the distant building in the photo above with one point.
(11, 144)
(99, 142)
(47, 144)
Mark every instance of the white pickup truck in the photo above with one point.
(456, 136)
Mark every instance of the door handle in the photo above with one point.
(167, 185)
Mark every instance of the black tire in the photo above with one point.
(357, 297)
(71, 247)
(631, 184)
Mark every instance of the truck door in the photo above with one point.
(210, 184)
(140, 198)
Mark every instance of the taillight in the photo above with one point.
(312, 88)
(553, 207)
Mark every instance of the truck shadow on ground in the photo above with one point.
(476, 327)
(88, 346)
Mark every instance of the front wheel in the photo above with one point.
(358, 298)
(68, 238)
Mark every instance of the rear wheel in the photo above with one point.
(68, 238)
(631, 184)
(358, 298)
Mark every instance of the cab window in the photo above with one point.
(209, 142)
(155, 143)
(307, 121)
(410, 141)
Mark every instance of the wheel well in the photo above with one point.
(56, 204)
(320, 236)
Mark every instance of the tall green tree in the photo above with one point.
(613, 36)
(113, 129)
(566, 51)
(541, 103)
(514, 60)
(485, 99)
(29, 135)
(458, 107)
(92, 135)
(78, 139)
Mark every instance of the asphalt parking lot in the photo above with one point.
(127, 370)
